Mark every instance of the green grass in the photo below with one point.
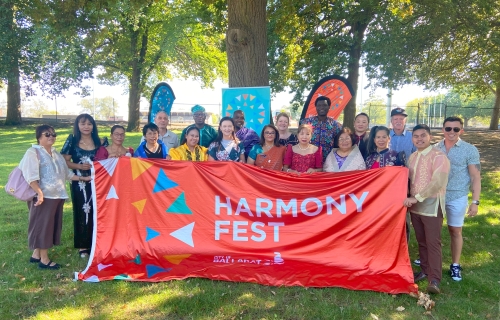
(27, 292)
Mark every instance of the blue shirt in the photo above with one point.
(461, 155)
(402, 143)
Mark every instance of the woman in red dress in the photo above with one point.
(303, 157)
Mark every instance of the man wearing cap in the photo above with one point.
(400, 137)
(170, 139)
(325, 128)
(207, 132)
(465, 174)
(401, 140)
(246, 135)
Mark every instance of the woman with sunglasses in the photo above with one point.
(268, 153)
(46, 171)
(79, 150)
(116, 148)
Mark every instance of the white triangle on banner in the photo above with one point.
(185, 234)
(112, 193)
(261, 106)
(109, 165)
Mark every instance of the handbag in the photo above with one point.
(18, 187)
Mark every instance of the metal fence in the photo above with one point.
(431, 114)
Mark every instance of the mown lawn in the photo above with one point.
(27, 292)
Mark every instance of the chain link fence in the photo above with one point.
(432, 114)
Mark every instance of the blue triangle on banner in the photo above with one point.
(152, 270)
(179, 206)
(151, 234)
(137, 259)
(163, 182)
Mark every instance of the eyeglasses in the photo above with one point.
(455, 129)
(344, 139)
(119, 135)
(198, 115)
(271, 133)
(48, 134)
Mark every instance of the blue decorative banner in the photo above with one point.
(255, 102)
(162, 99)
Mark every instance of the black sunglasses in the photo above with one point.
(48, 134)
(455, 129)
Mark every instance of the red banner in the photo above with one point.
(160, 220)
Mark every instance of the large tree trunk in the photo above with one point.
(13, 95)
(496, 109)
(246, 40)
(358, 31)
(135, 86)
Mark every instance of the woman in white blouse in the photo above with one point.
(46, 171)
(345, 157)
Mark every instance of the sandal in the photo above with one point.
(34, 260)
(84, 252)
(41, 265)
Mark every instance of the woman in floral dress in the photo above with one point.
(226, 147)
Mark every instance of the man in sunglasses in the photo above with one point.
(465, 174)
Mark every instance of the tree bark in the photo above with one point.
(358, 31)
(496, 109)
(135, 81)
(13, 95)
(246, 41)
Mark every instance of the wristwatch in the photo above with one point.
(475, 202)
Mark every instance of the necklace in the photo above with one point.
(268, 146)
(304, 148)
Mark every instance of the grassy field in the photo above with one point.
(27, 292)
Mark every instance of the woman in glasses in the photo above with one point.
(347, 156)
(79, 150)
(116, 148)
(46, 171)
(268, 153)
(379, 153)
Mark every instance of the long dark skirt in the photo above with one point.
(83, 214)
(45, 224)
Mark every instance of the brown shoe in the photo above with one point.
(433, 287)
(419, 276)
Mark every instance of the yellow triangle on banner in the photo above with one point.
(138, 167)
(139, 205)
(251, 107)
(176, 258)
(261, 120)
(229, 107)
(252, 97)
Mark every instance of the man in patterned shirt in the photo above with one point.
(325, 128)
(465, 173)
(429, 169)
